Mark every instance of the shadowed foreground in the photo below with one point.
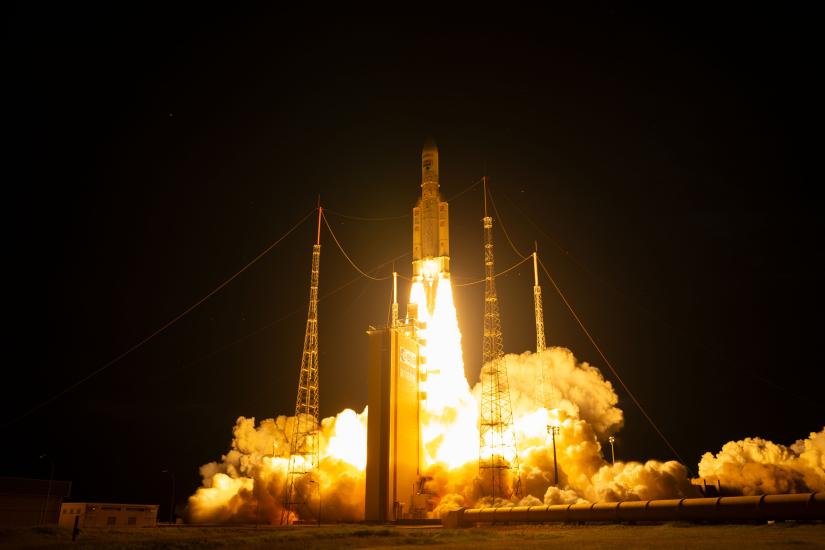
(671, 535)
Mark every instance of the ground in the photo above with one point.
(670, 535)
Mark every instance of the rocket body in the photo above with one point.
(431, 224)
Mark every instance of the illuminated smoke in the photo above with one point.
(577, 389)
(585, 411)
(755, 466)
(247, 485)
(636, 481)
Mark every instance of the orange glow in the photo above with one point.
(248, 483)
(349, 440)
(449, 416)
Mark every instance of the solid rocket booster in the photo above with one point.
(431, 224)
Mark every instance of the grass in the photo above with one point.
(672, 536)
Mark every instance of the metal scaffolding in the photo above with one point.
(498, 451)
(304, 456)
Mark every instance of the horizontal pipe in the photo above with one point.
(801, 506)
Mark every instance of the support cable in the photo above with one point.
(610, 366)
(161, 329)
(362, 218)
(260, 329)
(341, 248)
(402, 216)
(587, 333)
(497, 275)
(634, 302)
(501, 223)
(537, 304)
(467, 189)
(549, 237)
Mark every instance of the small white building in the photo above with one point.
(106, 514)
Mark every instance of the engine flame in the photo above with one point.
(449, 419)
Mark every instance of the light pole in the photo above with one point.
(49, 490)
(553, 429)
(611, 439)
(172, 499)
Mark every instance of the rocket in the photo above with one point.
(431, 224)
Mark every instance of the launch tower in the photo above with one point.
(498, 452)
(304, 456)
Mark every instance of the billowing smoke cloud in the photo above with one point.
(756, 466)
(577, 389)
(584, 408)
(635, 481)
(248, 484)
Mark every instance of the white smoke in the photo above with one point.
(247, 485)
(583, 405)
(577, 389)
(636, 481)
(755, 466)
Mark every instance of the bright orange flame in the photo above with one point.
(348, 442)
(449, 416)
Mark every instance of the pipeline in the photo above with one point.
(802, 506)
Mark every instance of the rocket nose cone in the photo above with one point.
(429, 145)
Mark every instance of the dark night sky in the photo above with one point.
(665, 164)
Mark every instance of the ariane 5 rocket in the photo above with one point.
(431, 223)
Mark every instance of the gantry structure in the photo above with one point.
(304, 456)
(498, 451)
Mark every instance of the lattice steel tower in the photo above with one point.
(540, 344)
(498, 451)
(304, 456)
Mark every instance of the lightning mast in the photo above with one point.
(498, 451)
(304, 456)
(540, 343)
